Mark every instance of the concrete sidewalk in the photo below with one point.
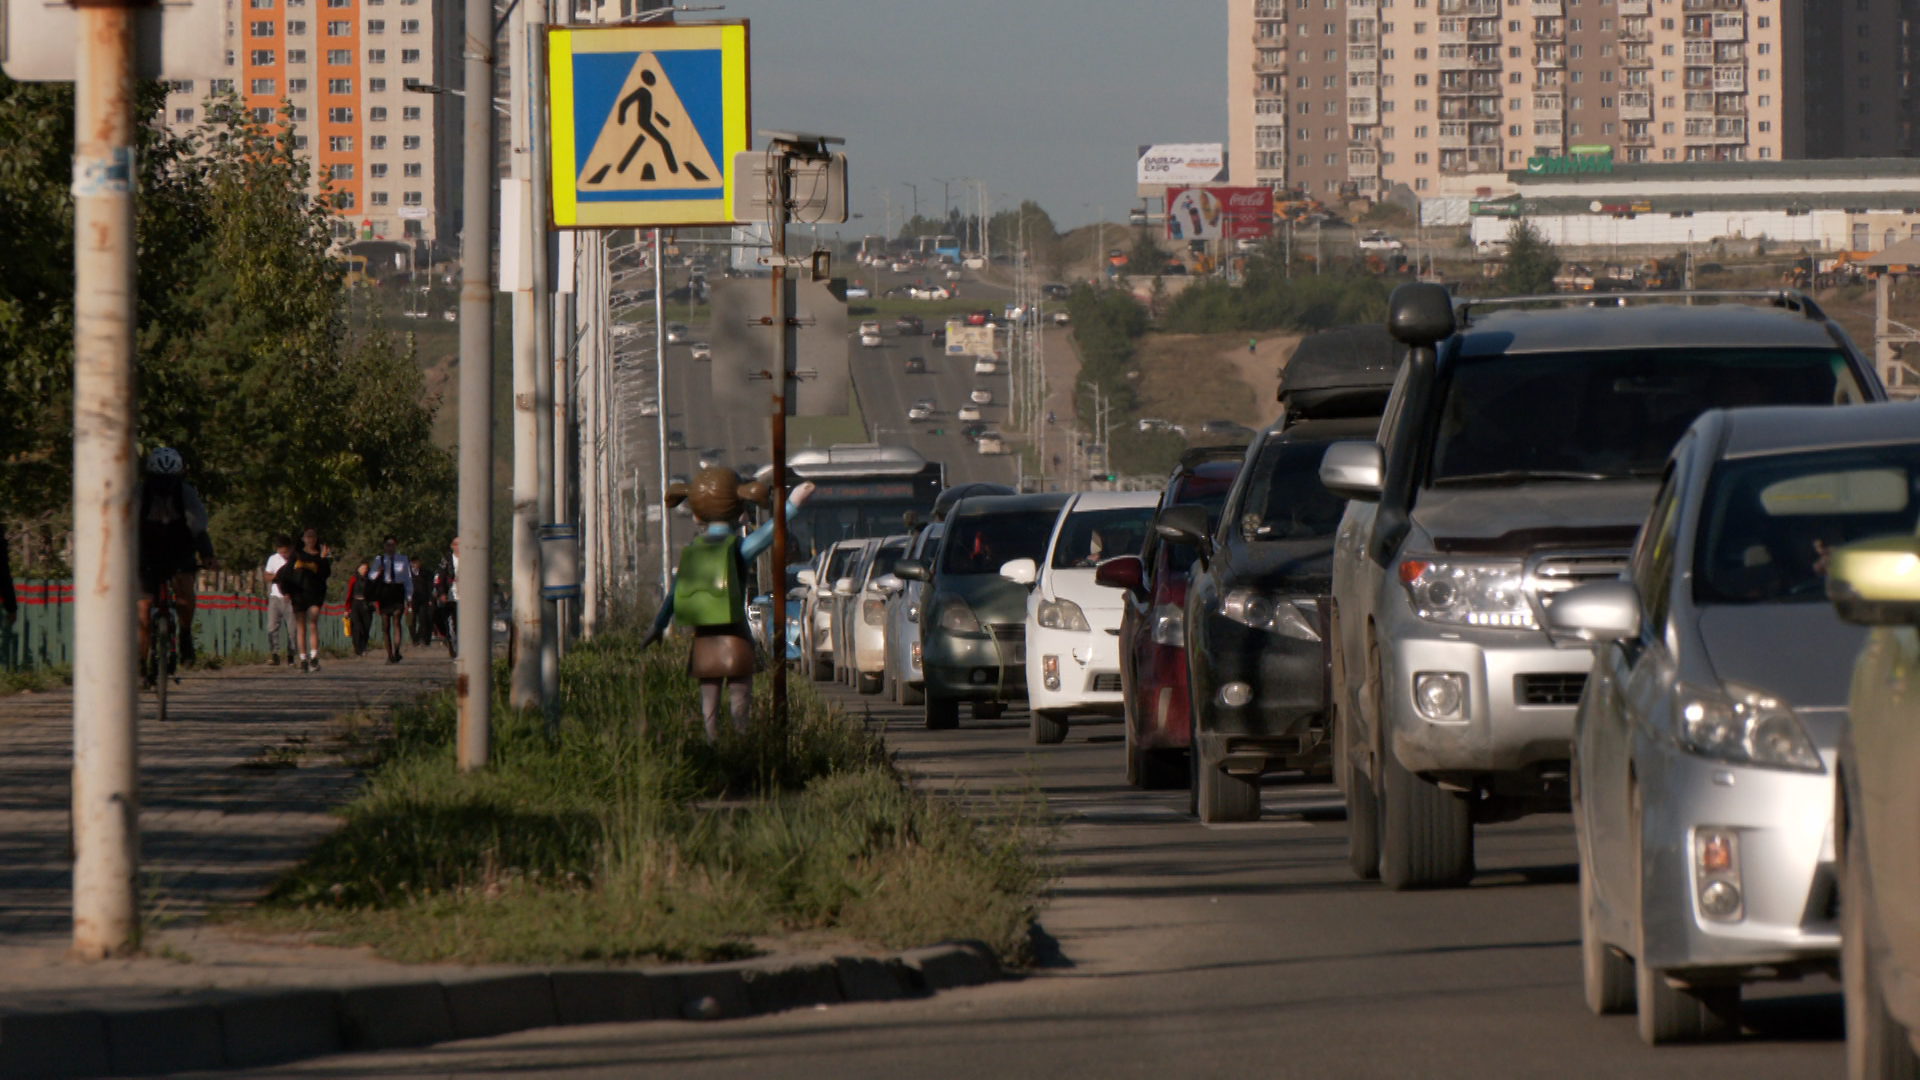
(233, 791)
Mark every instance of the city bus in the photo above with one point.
(860, 490)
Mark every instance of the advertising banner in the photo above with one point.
(1219, 213)
(1181, 164)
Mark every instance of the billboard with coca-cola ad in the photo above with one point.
(1219, 213)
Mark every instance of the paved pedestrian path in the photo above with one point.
(234, 789)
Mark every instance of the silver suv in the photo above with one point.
(1518, 455)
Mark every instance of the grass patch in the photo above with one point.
(35, 680)
(625, 836)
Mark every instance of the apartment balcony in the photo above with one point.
(1635, 112)
(1269, 67)
(1359, 170)
(1453, 37)
(1453, 136)
(1641, 35)
(1470, 7)
(1484, 63)
(1552, 61)
(1550, 37)
(1730, 106)
(1729, 79)
(1730, 30)
(1545, 9)
(1637, 140)
(1696, 33)
(1362, 111)
(1640, 61)
(1635, 7)
(1363, 58)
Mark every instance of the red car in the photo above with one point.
(979, 318)
(1153, 662)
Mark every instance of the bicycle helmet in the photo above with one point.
(166, 461)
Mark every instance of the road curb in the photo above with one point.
(263, 1029)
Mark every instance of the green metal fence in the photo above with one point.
(230, 617)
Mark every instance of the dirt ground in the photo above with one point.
(1192, 378)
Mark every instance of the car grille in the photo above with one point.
(1107, 682)
(1560, 688)
(1012, 639)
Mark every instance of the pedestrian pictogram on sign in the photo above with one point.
(646, 121)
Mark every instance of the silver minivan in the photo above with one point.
(1705, 742)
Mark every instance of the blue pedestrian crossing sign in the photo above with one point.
(645, 123)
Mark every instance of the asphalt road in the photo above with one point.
(1178, 950)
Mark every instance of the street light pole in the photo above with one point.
(916, 197)
(473, 576)
(106, 763)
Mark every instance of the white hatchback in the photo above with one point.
(1073, 625)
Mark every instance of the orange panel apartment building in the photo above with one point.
(1357, 97)
(391, 156)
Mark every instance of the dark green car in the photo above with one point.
(973, 631)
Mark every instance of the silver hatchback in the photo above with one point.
(1705, 742)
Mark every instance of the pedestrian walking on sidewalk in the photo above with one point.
(359, 610)
(279, 604)
(390, 581)
(421, 620)
(446, 597)
(312, 561)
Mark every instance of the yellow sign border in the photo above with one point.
(736, 73)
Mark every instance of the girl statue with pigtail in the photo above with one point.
(709, 590)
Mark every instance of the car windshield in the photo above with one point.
(1285, 499)
(1770, 523)
(981, 544)
(840, 564)
(883, 561)
(1610, 415)
(1090, 537)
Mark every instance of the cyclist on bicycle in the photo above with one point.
(173, 543)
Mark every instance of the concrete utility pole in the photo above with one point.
(106, 760)
(660, 415)
(524, 689)
(473, 580)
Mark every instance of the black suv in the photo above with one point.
(1257, 656)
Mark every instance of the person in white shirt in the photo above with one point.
(390, 581)
(279, 605)
(446, 589)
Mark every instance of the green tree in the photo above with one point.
(1531, 261)
(1144, 258)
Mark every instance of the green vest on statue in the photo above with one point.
(708, 590)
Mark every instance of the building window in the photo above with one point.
(1420, 132)
(377, 142)
(1386, 133)
(1763, 75)
(296, 86)
(263, 116)
(296, 56)
(1765, 100)
(1420, 79)
(376, 26)
(411, 168)
(1766, 125)
(1419, 54)
(1420, 105)
(376, 56)
(299, 114)
(1513, 130)
(1668, 154)
(1666, 128)
(340, 57)
(1420, 158)
(180, 86)
(296, 28)
(1766, 152)
(1667, 102)
(410, 112)
(342, 171)
(1419, 183)
(409, 26)
(377, 170)
(377, 114)
(1514, 77)
(377, 198)
(261, 86)
(340, 28)
(1386, 159)
(409, 142)
(344, 200)
(229, 58)
(262, 58)
(339, 86)
(409, 56)
(299, 142)
(410, 198)
(342, 115)
(260, 29)
(183, 116)
(340, 144)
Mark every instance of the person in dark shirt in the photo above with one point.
(390, 580)
(422, 606)
(309, 568)
(359, 610)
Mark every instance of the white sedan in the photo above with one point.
(1379, 241)
(984, 366)
(981, 396)
(929, 292)
(870, 326)
(919, 412)
(702, 351)
(967, 412)
(871, 341)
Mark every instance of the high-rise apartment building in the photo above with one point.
(1356, 97)
(390, 156)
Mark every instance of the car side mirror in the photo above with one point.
(762, 600)
(1354, 470)
(886, 584)
(1185, 525)
(1020, 571)
(1127, 572)
(1597, 613)
(806, 577)
(1876, 582)
(843, 587)
(911, 570)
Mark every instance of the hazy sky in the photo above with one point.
(1043, 99)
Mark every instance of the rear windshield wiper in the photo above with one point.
(1515, 476)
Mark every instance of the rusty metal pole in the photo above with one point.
(473, 579)
(106, 762)
(783, 325)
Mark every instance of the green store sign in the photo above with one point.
(1573, 163)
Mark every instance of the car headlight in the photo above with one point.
(955, 615)
(1169, 625)
(1061, 615)
(913, 612)
(1746, 727)
(1484, 593)
(873, 612)
(1288, 618)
